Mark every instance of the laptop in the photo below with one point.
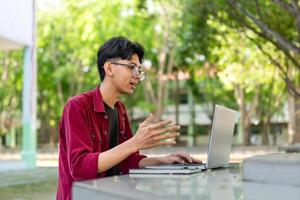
(219, 147)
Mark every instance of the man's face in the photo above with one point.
(124, 78)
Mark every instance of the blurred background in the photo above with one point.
(241, 54)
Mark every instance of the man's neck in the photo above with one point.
(109, 94)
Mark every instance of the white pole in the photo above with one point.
(29, 101)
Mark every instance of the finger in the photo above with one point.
(168, 129)
(160, 124)
(185, 156)
(166, 136)
(179, 160)
(147, 120)
(195, 160)
(172, 159)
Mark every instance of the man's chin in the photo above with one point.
(130, 91)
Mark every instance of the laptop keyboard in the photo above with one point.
(178, 166)
(188, 164)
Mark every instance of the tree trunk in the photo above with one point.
(176, 98)
(0, 142)
(52, 137)
(246, 132)
(239, 94)
(292, 119)
(43, 136)
(159, 110)
(266, 131)
(297, 120)
(165, 59)
(191, 126)
(245, 113)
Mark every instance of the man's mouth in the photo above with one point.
(133, 85)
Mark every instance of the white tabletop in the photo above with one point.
(220, 184)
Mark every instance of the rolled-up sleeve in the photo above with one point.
(134, 160)
(82, 161)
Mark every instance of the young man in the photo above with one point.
(95, 138)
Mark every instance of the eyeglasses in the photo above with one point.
(136, 72)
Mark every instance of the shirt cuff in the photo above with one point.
(136, 158)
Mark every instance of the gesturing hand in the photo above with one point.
(153, 134)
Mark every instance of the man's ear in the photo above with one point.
(108, 69)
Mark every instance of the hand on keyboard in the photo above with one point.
(180, 158)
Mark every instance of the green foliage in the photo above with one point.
(208, 43)
(10, 90)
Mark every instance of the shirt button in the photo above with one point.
(93, 136)
(105, 116)
(122, 132)
(105, 132)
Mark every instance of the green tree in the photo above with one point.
(69, 38)
(11, 63)
(276, 22)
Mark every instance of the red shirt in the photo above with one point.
(83, 134)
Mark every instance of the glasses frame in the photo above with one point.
(135, 70)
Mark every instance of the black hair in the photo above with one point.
(117, 47)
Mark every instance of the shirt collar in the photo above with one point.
(99, 104)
